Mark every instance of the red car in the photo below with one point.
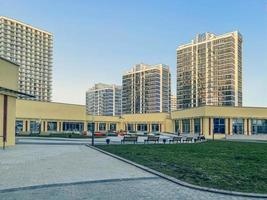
(100, 134)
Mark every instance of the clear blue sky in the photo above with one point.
(96, 41)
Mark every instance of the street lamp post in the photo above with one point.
(93, 131)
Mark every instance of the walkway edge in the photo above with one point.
(179, 182)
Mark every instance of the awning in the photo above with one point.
(14, 93)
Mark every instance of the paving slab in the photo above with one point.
(27, 165)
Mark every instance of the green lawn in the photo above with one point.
(236, 166)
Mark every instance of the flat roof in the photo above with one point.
(24, 24)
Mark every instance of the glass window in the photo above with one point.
(34, 126)
(259, 126)
(51, 126)
(238, 126)
(219, 125)
(197, 126)
(73, 126)
(90, 126)
(177, 126)
(102, 126)
(112, 127)
(155, 128)
(130, 127)
(186, 125)
(141, 127)
(19, 126)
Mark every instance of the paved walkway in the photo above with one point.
(79, 172)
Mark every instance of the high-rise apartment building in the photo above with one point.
(209, 71)
(146, 89)
(173, 102)
(104, 99)
(31, 48)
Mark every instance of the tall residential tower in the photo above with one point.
(31, 48)
(146, 89)
(104, 99)
(209, 71)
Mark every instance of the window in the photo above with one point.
(197, 126)
(141, 127)
(73, 126)
(51, 126)
(155, 128)
(102, 126)
(130, 127)
(34, 126)
(238, 126)
(177, 126)
(90, 126)
(19, 126)
(219, 125)
(186, 125)
(259, 126)
(112, 127)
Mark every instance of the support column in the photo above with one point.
(245, 126)
(24, 126)
(201, 126)
(27, 125)
(150, 127)
(58, 126)
(84, 126)
(249, 127)
(181, 125)
(45, 126)
(230, 121)
(192, 126)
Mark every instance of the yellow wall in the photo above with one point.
(8, 79)
(8, 75)
(60, 112)
(11, 115)
(27, 109)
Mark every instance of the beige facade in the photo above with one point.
(8, 82)
(211, 121)
(209, 71)
(31, 48)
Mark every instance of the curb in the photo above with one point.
(179, 182)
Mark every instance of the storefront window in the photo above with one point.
(186, 125)
(90, 126)
(219, 125)
(197, 126)
(155, 128)
(34, 126)
(238, 126)
(73, 126)
(19, 126)
(177, 126)
(142, 127)
(259, 126)
(102, 126)
(51, 126)
(130, 127)
(112, 127)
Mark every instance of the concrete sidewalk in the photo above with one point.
(79, 172)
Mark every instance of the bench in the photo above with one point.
(176, 139)
(151, 138)
(201, 138)
(129, 139)
(189, 139)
